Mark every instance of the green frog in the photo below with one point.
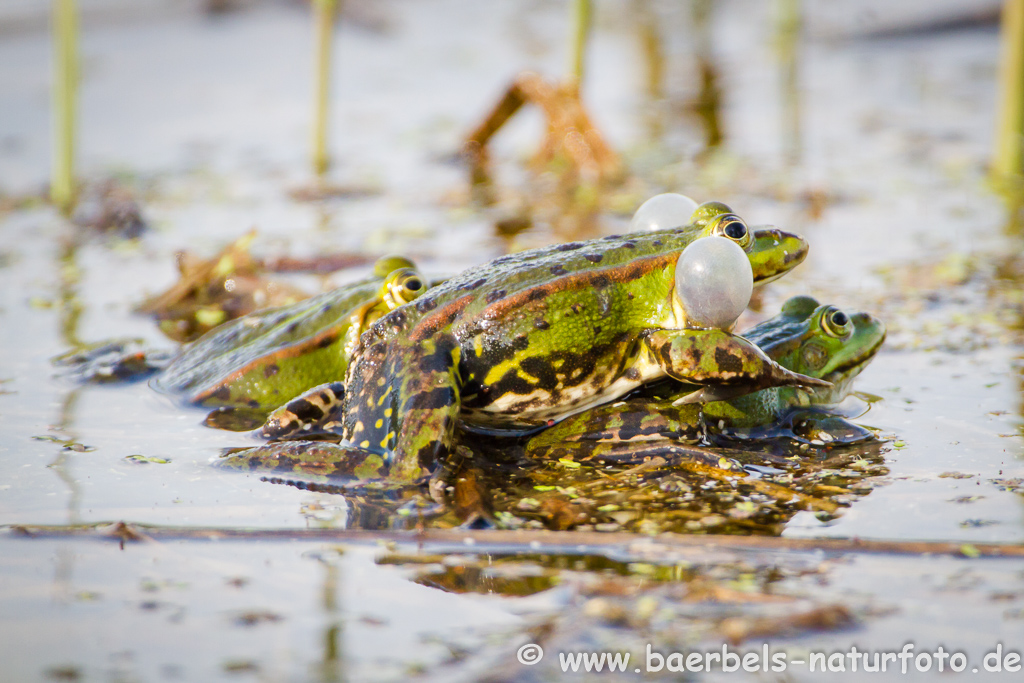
(818, 340)
(528, 339)
(262, 359)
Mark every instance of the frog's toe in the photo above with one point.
(786, 377)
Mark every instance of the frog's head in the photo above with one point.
(820, 341)
(386, 265)
(402, 286)
(772, 252)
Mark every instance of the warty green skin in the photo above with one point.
(263, 359)
(537, 336)
(801, 338)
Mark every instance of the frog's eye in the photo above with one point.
(403, 286)
(732, 226)
(837, 324)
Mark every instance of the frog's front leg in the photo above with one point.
(725, 364)
(404, 400)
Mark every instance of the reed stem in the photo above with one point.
(581, 21)
(789, 26)
(65, 96)
(324, 35)
(1008, 160)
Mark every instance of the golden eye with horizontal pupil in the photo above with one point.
(836, 323)
(402, 286)
(733, 227)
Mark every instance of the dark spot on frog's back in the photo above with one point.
(271, 370)
(558, 270)
(475, 284)
(629, 245)
(494, 296)
(537, 293)
(438, 361)
(541, 324)
(727, 361)
(426, 304)
(569, 246)
(221, 394)
(594, 258)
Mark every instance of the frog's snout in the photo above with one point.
(870, 328)
(775, 252)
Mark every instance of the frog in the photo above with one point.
(530, 338)
(262, 359)
(816, 339)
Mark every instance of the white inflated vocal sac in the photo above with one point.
(714, 282)
(662, 211)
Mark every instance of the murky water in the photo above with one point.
(205, 118)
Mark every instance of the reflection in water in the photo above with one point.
(788, 30)
(68, 275)
(332, 666)
(61, 464)
(652, 486)
(71, 308)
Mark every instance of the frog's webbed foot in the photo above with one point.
(317, 411)
(714, 358)
(313, 460)
(823, 429)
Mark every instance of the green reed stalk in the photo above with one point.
(65, 96)
(324, 29)
(581, 20)
(1008, 160)
(788, 45)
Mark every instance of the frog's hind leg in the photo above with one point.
(316, 411)
(311, 460)
(404, 400)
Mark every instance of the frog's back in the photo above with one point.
(233, 362)
(486, 290)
